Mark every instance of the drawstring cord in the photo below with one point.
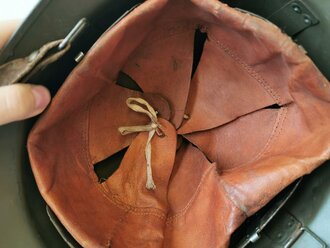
(141, 106)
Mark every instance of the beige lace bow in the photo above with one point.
(142, 106)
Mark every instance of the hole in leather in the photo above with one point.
(126, 81)
(107, 167)
(199, 41)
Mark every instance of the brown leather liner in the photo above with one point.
(108, 111)
(247, 65)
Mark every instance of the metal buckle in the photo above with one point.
(287, 231)
(299, 234)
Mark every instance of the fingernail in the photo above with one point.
(41, 96)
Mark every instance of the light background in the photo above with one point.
(15, 9)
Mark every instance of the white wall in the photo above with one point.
(15, 9)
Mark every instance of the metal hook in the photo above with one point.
(78, 28)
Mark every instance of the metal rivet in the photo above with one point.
(296, 9)
(307, 20)
(254, 238)
(79, 57)
(186, 117)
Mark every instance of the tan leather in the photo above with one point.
(176, 62)
(254, 117)
(110, 105)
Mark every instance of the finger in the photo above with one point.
(21, 101)
(7, 28)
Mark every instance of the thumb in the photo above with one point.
(21, 101)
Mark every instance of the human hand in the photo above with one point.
(19, 101)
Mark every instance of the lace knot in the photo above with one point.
(142, 106)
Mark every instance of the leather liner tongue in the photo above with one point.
(224, 88)
(162, 66)
(201, 201)
(129, 180)
(108, 111)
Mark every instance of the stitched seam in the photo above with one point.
(248, 69)
(276, 132)
(84, 136)
(90, 165)
(278, 123)
(109, 195)
(272, 136)
(131, 209)
(87, 152)
(282, 122)
(183, 211)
